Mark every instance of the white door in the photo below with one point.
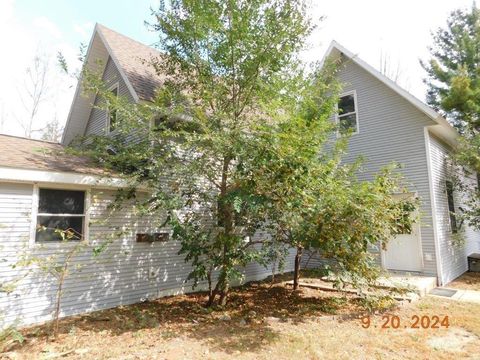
(404, 252)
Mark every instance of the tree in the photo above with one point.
(223, 61)
(392, 70)
(235, 100)
(314, 200)
(35, 91)
(453, 71)
(52, 131)
(59, 266)
(454, 89)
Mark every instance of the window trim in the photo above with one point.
(337, 118)
(35, 214)
(107, 120)
(453, 224)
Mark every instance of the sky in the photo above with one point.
(399, 31)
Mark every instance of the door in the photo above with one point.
(404, 252)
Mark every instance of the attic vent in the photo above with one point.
(155, 237)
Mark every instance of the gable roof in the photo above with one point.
(22, 153)
(132, 61)
(442, 128)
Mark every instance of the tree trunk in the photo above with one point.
(296, 274)
(218, 289)
(224, 294)
(212, 295)
(209, 278)
(56, 316)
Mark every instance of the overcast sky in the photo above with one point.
(400, 30)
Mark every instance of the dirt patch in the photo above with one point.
(454, 340)
(261, 322)
(244, 325)
(468, 281)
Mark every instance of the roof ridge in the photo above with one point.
(100, 26)
(30, 139)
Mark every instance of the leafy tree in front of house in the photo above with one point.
(314, 201)
(454, 89)
(235, 100)
(223, 61)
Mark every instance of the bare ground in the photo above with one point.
(260, 322)
(468, 281)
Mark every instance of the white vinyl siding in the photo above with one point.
(126, 272)
(392, 130)
(454, 258)
(98, 120)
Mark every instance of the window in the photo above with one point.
(347, 117)
(159, 122)
(60, 210)
(112, 115)
(451, 206)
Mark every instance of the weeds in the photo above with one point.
(8, 337)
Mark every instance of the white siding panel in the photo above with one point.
(454, 257)
(126, 272)
(391, 130)
(98, 117)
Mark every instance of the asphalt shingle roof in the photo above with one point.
(22, 153)
(135, 60)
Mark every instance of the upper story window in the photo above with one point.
(60, 212)
(451, 206)
(112, 117)
(347, 116)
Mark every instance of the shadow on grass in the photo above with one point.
(244, 325)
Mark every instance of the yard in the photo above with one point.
(468, 281)
(260, 322)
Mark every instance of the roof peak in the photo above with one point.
(102, 27)
(450, 133)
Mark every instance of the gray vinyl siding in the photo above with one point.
(391, 129)
(126, 272)
(98, 117)
(454, 257)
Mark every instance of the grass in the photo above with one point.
(263, 322)
(468, 281)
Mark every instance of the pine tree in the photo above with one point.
(454, 89)
(454, 70)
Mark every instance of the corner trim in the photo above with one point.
(434, 207)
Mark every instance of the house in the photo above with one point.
(41, 184)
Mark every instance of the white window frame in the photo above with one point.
(35, 214)
(107, 120)
(454, 200)
(337, 118)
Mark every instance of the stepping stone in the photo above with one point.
(443, 292)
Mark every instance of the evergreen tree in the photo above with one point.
(454, 70)
(454, 89)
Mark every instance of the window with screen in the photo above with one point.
(451, 206)
(112, 114)
(60, 211)
(347, 114)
